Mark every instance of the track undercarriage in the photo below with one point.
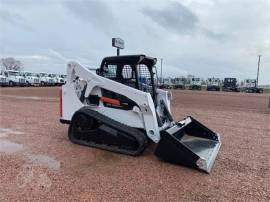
(90, 128)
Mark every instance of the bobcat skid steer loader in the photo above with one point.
(118, 108)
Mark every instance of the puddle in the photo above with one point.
(44, 160)
(4, 132)
(30, 97)
(9, 147)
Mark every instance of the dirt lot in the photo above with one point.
(39, 163)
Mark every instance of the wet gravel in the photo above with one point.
(37, 162)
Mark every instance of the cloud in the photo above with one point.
(95, 12)
(14, 18)
(175, 17)
(58, 55)
(27, 57)
(214, 35)
(181, 20)
(33, 57)
(11, 17)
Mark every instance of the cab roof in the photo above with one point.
(130, 59)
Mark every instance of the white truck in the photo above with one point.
(14, 78)
(195, 84)
(54, 78)
(62, 79)
(168, 83)
(250, 86)
(31, 79)
(58, 79)
(180, 82)
(3, 79)
(45, 80)
(213, 84)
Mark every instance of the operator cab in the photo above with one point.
(135, 71)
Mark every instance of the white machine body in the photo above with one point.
(144, 116)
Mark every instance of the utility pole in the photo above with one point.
(161, 61)
(257, 80)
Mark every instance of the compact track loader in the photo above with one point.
(120, 109)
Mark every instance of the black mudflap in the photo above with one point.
(189, 143)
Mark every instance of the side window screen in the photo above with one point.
(127, 72)
(144, 79)
(110, 71)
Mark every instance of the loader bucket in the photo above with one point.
(189, 143)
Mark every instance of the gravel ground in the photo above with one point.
(39, 163)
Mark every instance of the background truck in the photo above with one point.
(195, 84)
(3, 79)
(179, 82)
(250, 86)
(14, 78)
(31, 79)
(168, 83)
(230, 84)
(45, 80)
(55, 77)
(61, 79)
(213, 84)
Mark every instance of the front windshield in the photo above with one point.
(14, 73)
(43, 74)
(28, 74)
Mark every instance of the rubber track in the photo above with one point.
(129, 131)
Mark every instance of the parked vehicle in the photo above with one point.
(31, 79)
(168, 83)
(230, 84)
(195, 84)
(55, 78)
(3, 79)
(61, 79)
(45, 80)
(250, 86)
(14, 78)
(213, 84)
(179, 82)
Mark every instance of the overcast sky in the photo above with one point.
(205, 38)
